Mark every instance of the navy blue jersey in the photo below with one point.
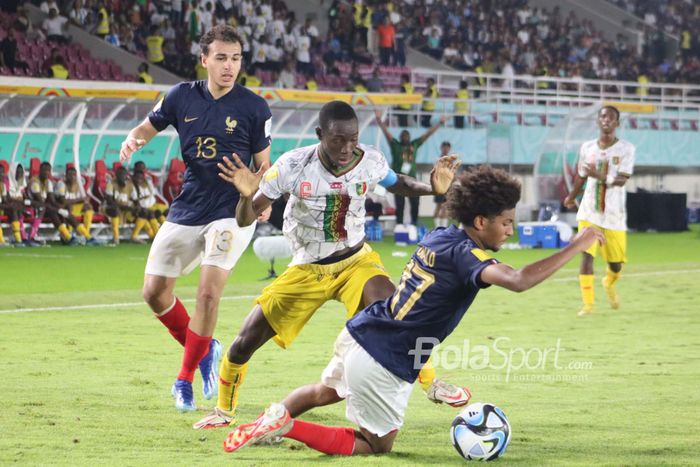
(437, 287)
(210, 129)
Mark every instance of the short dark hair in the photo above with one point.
(223, 33)
(335, 111)
(612, 108)
(482, 191)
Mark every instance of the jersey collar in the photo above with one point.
(358, 154)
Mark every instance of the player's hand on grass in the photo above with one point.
(443, 174)
(129, 146)
(237, 174)
(587, 237)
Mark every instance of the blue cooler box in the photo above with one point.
(537, 235)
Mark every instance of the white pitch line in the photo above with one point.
(34, 255)
(244, 297)
(636, 274)
(112, 305)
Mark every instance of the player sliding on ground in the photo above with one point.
(324, 221)
(381, 350)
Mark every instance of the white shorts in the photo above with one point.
(376, 399)
(178, 249)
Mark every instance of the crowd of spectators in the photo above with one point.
(513, 37)
(486, 36)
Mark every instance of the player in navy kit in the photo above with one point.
(381, 350)
(213, 118)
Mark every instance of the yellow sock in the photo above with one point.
(587, 292)
(161, 219)
(16, 231)
(612, 277)
(154, 225)
(149, 230)
(138, 225)
(426, 375)
(2, 237)
(63, 230)
(83, 231)
(231, 376)
(115, 227)
(87, 219)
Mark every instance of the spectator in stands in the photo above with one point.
(386, 33)
(375, 83)
(311, 84)
(78, 15)
(58, 69)
(8, 52)
(402, 35)
(403, 160)
(303, 53)
(144, 76)
(103, 25)
(113, 37)
(154, 42)
(194, 22)
(19, 199)
(461, 107)
(47, 5)
(428, 106)
(24, 25)
(286, 78)
(55, 27)
(405, 109)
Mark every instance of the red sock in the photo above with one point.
(334, 440)
(196, 347)
(176, 320)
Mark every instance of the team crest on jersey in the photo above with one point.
(336, 185)
(615, 160)
(230, 125)
(361, 188)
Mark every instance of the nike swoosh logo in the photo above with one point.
(188, 120)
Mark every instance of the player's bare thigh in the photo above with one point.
(369, 443)
(377, 288)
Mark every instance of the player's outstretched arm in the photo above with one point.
(251, 203)
(382, 125)
(520, 280)
(441, 178)
(136, 139)
(433, 129)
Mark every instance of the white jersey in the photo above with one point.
(325, 213)
(603, 204)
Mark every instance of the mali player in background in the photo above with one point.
(606, 163)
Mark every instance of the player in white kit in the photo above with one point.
(327, 184)
(606, 163)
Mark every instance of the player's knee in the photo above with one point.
(208, 299)
(615, 267)
(152, 296)
(241, 350)
(381, 446)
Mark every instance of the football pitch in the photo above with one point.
(86, 369)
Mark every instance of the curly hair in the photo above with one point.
(482, 191)
(223, 33)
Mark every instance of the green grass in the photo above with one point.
(91, 386)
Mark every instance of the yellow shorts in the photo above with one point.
(615, 248)
(159, 207)
(292, 299)
(79, 208)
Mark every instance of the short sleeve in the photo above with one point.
(275, 182)
(470, 262)
(165, 111)
(262, 131)
(627, 162)
(381, 170)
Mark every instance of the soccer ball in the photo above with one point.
(480, 432)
